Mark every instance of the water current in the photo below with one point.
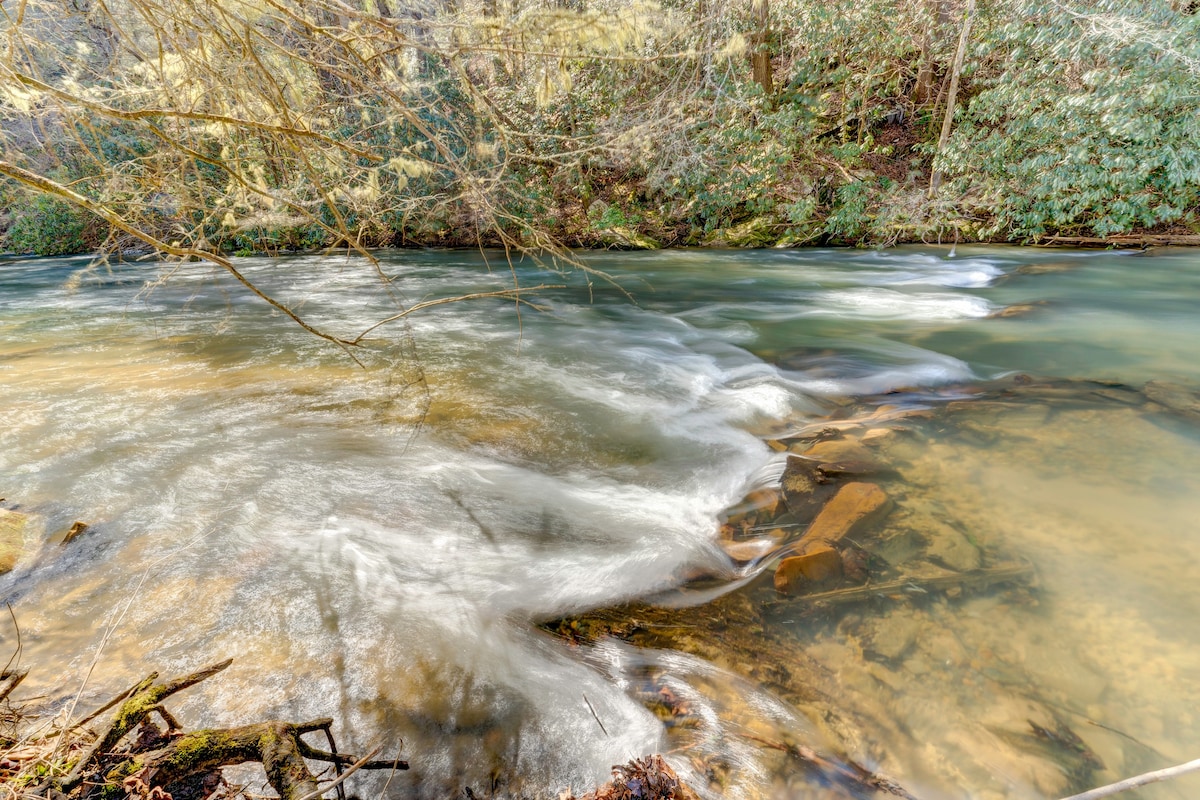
(379, 543)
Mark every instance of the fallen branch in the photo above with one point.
(166, 759)
(364, 763)
(10, 681)
(1142, 240)
(1165, 774)
(276, 745)
(146, 696)
(907, 587)
(856, 778)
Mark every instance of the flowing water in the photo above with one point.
(378, 543)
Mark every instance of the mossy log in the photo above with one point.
(276, 745)
(165, 759)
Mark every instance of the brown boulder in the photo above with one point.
(804, 490)
(796, 573)
(856, 506)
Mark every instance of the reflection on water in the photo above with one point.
(377, 544)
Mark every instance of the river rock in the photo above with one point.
(898, 546)
(76, 530)
(837, 450)
(758, 507)
(831, 470)
(877, 437)
(14, 525)
(804, 492)
(855, 506)
(797, 573)
(1016, 310)
(753, 549)
(948, 546)
(891, 637)
(1175, 397)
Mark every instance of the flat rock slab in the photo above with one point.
(856, 506)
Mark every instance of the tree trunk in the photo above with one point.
(936, 179)
(760, 55)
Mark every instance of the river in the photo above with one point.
(379, 543)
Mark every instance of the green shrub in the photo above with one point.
(48, 227)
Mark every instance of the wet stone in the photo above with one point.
(796, 574)
(855, 507)
(760, 506)
(803, 492)
(1178, 398)
(1016, 310)
(951, 548)
(892, 636)
(898, 546)
(847, 469)
(838, 450)
(877, 437)
(752, 549)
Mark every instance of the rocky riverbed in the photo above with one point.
(884, 589)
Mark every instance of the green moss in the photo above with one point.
(113, 787)
(195, 748)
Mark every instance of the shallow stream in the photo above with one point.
(380, 543)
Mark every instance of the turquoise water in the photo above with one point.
(376, 542)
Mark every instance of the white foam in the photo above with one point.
(887, 304)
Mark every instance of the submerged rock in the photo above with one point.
(951, 548)
(877, 437)
(796, 574)
(1016, 310)
(804, 491)
(839, 450)
(890, 637)
(847, 469)
(752, 549)
(1175, 397)
(15, 526)
(856, 506)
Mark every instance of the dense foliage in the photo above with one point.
(241, 126)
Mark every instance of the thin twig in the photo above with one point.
(14, 661)
(105, 707)
(595, 715)
(514, 294)
(353, 768)
(1138, 780)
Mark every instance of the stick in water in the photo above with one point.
(1138, 780)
